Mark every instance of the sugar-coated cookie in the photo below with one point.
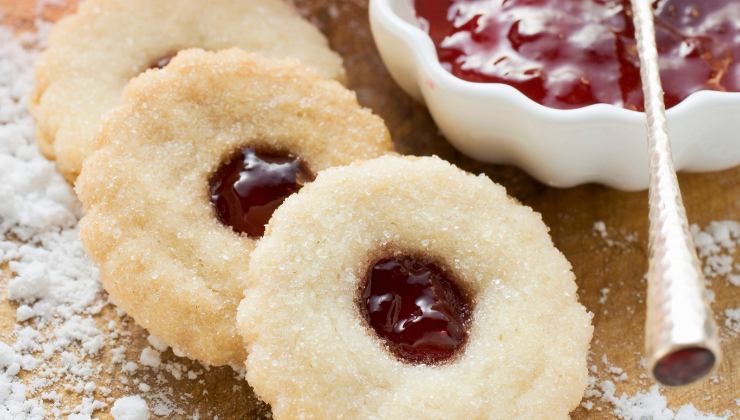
(94, 53)
(191, 160)
(405, 288)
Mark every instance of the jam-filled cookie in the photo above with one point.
(403, 287)
(191, 166)
(94, 53)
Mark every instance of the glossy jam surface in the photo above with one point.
(416, 309)
(247, 189)
(572, 53)
(162, 61)
(684, 366)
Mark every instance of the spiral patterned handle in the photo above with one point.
(681, 335)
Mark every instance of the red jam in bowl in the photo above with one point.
(571, 53)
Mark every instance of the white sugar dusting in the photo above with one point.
(50, 277)
(716, 245)
(650, 404)
(61, 359)
(130, 408)
(150, 357)
(621, 239)
(647, 404)
(732, 320)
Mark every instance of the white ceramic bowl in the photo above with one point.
(496, 123)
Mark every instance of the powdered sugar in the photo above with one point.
(52, 279)
(650, 404)
(158, 344)
(716, 245)
(732, 320)
(130, 408)
(60, 339)
(61, 346)
(150, 357)
(613, 239)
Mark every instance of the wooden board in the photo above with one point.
(570, 213)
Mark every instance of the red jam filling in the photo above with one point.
(246, 190)
(162, 61)
(416, 309)
(684, 366)
(568, 54)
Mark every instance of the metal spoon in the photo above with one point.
(680, 332)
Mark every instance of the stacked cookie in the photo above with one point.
(242, 206)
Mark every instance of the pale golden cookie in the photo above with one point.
(94, 53)
(164, 256)
(311, 350)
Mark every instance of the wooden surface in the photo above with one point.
(570, 213)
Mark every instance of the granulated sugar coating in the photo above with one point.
(311, 353)
(94, 53)
(165, 258)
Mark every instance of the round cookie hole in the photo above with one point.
(416, 308)
(251, 184)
